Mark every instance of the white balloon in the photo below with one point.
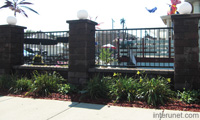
(82, 14)
(185, 8)
(11, 20)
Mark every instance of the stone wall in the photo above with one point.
(186, 49)
(11, 47)
(81, 50)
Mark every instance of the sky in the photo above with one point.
(53, 14)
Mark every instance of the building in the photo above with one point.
(196, 10)
(195, 4)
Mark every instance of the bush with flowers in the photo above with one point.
(37, 59)
(153, 91)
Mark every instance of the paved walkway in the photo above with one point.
(16, 108)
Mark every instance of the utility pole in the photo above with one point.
(113, 24)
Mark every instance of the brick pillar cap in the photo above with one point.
(82, 21)
(12, 26)
(184, 16)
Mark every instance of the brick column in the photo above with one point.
(11, 47)
(186, 51)
(81, 50)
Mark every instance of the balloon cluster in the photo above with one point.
(173, 8)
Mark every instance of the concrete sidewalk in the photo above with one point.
(16, 108)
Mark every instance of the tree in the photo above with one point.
(122, 21)
(17, 6)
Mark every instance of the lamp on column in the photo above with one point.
(11, 20)
(185, 8)
(82, 14)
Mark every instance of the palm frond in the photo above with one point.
(122, 21)
(30, 9)
(25, 3)
(5, 6)
(15, 6)
(23, 12)
(8, 2)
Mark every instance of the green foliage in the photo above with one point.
(124, 88)
(7, 81)
(189, 96)
(105, 55)
(67, 89)
(22, 85)
(97, 88)
(156, 91)
(73, 89)
(63, 88)
(44, 84)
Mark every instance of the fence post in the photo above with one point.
(11, 47)
(81, 50)
(186, 49)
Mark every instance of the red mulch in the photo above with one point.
(173, 105)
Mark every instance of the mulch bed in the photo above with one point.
(173, 105)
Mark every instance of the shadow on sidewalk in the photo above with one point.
(87, 105)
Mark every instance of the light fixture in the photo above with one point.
(11, 20)
(185, 8)
(82, 14)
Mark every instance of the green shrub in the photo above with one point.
(97, 88)
(105, 55)
(67, 89)
(44, 84)
(156, 91)
(22, 85)
(73, 89)
(124, 88)
(189, 96)
(63, 88)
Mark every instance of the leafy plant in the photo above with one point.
(44, 84)
(63, 88)
(73, 89)
(189, 96)
(105, 55)
(97, 88)
(124, 88)
(22, 85)
(17, 6)
(156, 91)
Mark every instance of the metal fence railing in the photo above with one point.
(199, 44)
(142, 47)
(52, 47)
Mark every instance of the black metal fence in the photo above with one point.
(142, 47)
(47, 48)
